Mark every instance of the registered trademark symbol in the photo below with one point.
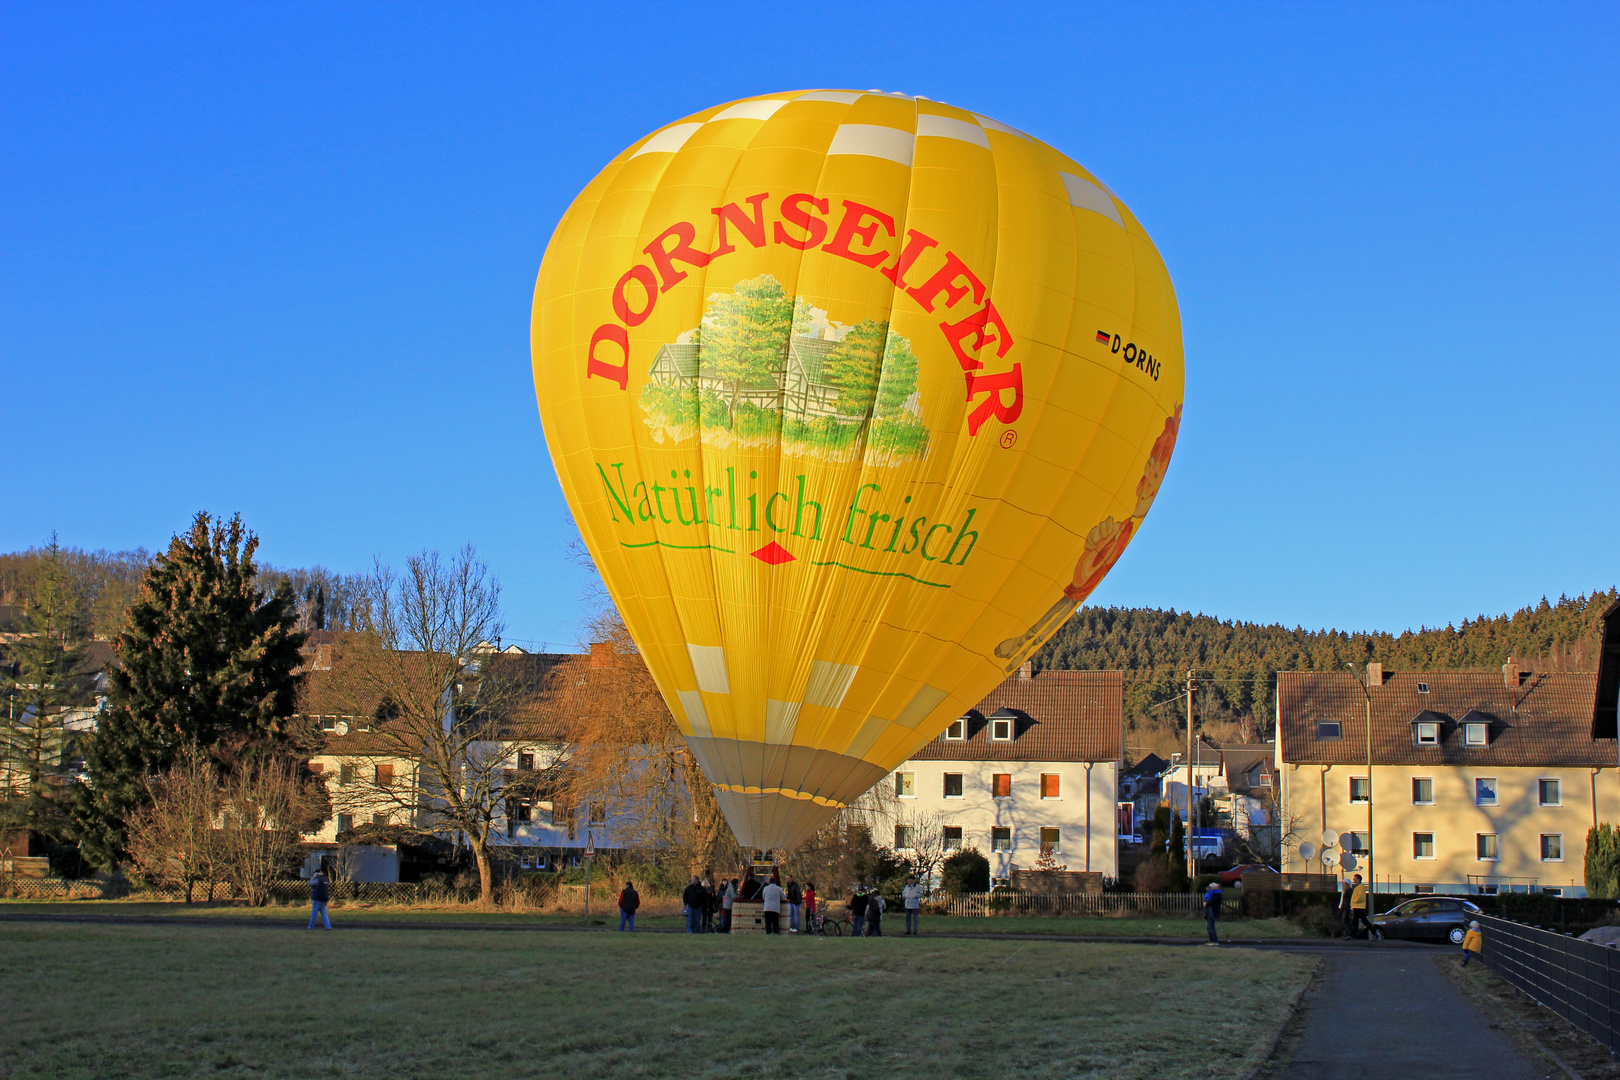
(1008, 437)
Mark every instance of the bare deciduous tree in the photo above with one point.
(172, 841)
(419, 666)
(261, 807)
(623, 751)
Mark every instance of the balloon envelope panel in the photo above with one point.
(854, 397)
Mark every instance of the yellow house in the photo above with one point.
(1479, 782)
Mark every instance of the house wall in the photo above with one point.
(1588, 796)
(360, 798)
(1085, 815)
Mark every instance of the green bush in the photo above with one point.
(966, 872)
(1319, 919)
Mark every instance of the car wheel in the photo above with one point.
(1455, 936)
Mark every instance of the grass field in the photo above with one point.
(157, 1001)
(941, 924)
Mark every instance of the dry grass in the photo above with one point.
(153, 1001)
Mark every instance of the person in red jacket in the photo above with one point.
(810, 904)
(629, 900)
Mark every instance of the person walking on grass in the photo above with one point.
(319, 893)
(794, 898)
(1212, 909)
(773, 895)
(857, 910)
(1473, 942)
(875, 906)
(693, 901)
(629, 900)
(912, 895)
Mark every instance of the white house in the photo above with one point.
(1034, 765)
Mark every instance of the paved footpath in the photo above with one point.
(1381, 1012)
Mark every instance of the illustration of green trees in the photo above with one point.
(743, 337)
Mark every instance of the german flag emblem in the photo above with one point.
(1104, 336)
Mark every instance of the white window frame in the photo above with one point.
(997, 726)
(994, 841)
(1428, 733)
(1473, 728)
(1541, 847)
(1559, 790)
(1496, 791)
(907, 842)
(1488, 858)
(961, 783)
(911, 778)
(1052, 798)
(1430, 800)
(1430, 857)
(957, 731)
(1350, 790)
(1361, 841)
(993, 794)
(1057, 848)
(945, 842)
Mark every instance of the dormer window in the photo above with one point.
(1476, 734)
(1001, 729)
(1426, 733)
(957, 731)
(1423, 688)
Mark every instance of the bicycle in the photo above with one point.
(819, 925)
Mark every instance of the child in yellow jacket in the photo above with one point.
(1473, 942)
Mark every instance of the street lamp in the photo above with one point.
(1372, 879)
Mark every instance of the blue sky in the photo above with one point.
(279, 260)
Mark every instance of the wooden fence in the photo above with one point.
(1010, 902)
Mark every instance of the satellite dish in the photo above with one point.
(1307, 851)
(1347, 860)
(1328, 858)
(1329, 838)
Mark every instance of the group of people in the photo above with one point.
(866, 909)
(708, 907)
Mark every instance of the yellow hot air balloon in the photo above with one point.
(854, 397)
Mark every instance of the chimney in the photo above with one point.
(1512, 677)
(1026, 670)
(1375, 675)
(601, 654)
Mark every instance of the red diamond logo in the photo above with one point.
(773, 553)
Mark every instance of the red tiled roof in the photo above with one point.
(1546, 721)
(1061, 716)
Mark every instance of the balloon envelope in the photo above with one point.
(854, 397)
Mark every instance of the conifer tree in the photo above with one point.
(207, 659)
(42, 687)
(1602, 862)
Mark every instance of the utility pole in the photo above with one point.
(1372, 879)
(1192, 857)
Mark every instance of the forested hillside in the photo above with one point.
(1237, 661)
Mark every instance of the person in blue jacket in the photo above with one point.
(1212, 909)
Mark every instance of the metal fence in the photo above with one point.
(1578, 980)
(1008, 902)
